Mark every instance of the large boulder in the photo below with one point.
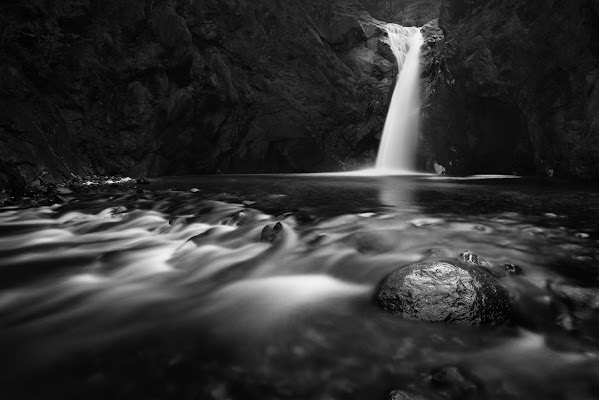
(445, 291)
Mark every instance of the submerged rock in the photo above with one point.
(5, 199)
(63, 190)
(575, 296)
(143, 181)
(270, 233)
(446, 291)
(57, 199)
(235, 219)
(457, 382)
(406, 395)
(572, 304)
(512, 269)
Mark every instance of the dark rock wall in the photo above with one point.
(513, 87)
(157, 87)
(403, 12)
(142, 87)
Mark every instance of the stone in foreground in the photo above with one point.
(445, 291)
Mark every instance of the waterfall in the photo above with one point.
(398, 144)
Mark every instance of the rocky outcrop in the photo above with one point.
(404, 12)
(512, 87)
(445, 291)
(181, 87)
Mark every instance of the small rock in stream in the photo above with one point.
(5, 198)
(271, 233)
(471, 258)
(235, 219)
(57, 199)
(498, 272)
(575, 296)
(572, 304)
(143, 181)
(63, 190)
(176, 221)
(406, 395)
(456, 382)
(512, 269)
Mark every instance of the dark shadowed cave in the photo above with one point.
(500, 142)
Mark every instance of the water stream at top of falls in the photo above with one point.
(398, 144)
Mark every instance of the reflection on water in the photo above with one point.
(171, 294)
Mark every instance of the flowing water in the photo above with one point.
(398, 143)
(169, 294)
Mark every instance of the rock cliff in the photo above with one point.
(512, 87)
(140, 87)
(403, 12)
(188, 87)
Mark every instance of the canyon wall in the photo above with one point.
(136, 87)
(513, 87)
(403, 12)
(161, 87)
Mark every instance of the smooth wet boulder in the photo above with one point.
(446, 291)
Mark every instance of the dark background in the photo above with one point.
(168, 87)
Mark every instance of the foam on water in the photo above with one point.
(108, 273)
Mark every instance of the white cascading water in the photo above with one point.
(398, 144)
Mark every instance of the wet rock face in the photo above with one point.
(406, 12)
(513, 88)
(173, 87)
(445, 291)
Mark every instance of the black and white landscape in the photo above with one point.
(285, 199)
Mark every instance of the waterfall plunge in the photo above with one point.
(398, 144)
